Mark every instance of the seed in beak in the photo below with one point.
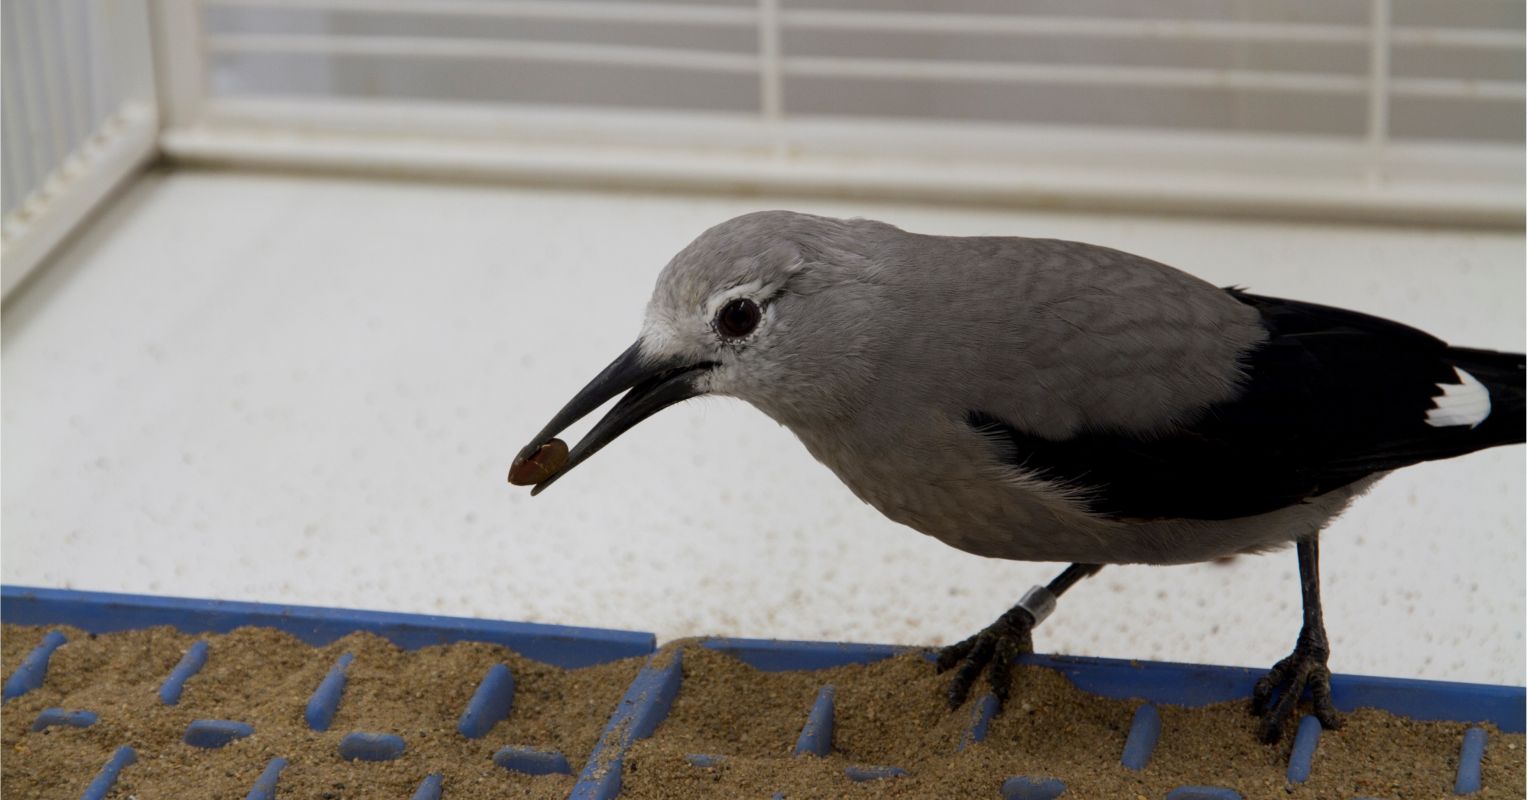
(542, 464)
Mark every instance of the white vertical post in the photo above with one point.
(1379, 87)
(16, 167)
(20, 160)
(70, 160)
(180, 61)
(93, 44)
(54, 85)
(771, 90)
(72, 48)
(33, 100)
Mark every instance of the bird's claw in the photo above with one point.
(1303, 669)
(993, 650)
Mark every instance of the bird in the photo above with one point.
(1047, 400)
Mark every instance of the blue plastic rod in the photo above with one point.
(190, 664)
(643, 707)
(34, 668)
(326, 698)
(213, 733)
(1023, 787)
(1304, 750)
(58, 716)
(1467, 780)
(489, 704)
(108, 774)
(860, 774)
(371, 746)
(817, 735)
(1145, 729)
(981, 718)
(265, 785)
(429, 788)
(1203, 793)
(532, 761)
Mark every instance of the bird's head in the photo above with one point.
(775, 308)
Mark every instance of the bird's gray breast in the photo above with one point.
(939, 477)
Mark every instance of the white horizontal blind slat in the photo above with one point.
(478, 50)
(1252, 75)
(590, 10)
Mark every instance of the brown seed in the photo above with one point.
(548, 459)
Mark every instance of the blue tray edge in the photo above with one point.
(105, 612)
(1181, 684)
(572, 647)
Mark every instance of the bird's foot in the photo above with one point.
(993, 650)
(1303, 669)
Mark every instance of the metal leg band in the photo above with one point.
(1039, 602)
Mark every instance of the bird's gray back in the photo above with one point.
(1057, 337)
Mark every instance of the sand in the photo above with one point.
(892, 713)
(888, 714)
(265, 677)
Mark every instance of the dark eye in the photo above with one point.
(738, 318)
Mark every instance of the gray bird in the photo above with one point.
(1047, 400)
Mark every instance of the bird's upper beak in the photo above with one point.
(654, 385)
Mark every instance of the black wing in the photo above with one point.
(1332, 396)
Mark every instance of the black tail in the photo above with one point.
(1504, 375)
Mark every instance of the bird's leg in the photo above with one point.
(1302, 669)
(996, 647)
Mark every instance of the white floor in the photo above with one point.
(308, 391)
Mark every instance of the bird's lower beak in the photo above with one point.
(654, 386)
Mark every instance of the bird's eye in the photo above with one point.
(738, 318)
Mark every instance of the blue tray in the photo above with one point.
(647, 700)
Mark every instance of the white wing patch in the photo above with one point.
(1467, 402)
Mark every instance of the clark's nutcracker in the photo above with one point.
(1048, 400)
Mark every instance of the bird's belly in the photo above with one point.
(979, 512)
(1028, 520)
(997, 523)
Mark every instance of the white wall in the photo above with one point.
(308, 390)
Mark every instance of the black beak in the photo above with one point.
(654, 387)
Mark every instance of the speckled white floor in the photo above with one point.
(308, 390)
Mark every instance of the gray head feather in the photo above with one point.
(813, 353)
